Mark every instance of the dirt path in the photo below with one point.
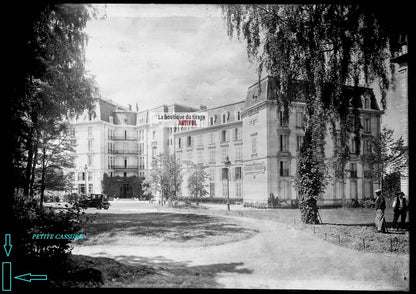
(277, 257)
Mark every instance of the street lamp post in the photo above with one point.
(227, 165)
(86, 179)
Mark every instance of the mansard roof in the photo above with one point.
(267, 89)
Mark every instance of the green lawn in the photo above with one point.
(353, 228)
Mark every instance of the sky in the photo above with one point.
(154, 54)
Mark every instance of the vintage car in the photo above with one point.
(95, 200)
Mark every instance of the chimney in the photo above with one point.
(130, 107)
(202, 107)
(137, 107)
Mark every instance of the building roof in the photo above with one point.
(268, 89)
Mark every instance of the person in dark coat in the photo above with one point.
(400, 210)
(380, 206)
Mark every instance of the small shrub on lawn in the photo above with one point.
(218, 200)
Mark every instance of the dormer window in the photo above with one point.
(367, 103)
(254, 97)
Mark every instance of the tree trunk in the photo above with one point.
(32, 179)
(42, 180)
(29, 147)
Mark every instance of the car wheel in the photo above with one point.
(106, 207)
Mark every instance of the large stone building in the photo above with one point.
(402, 60)
(261, 144)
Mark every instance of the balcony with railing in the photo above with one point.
(125, 138)
(126, 167)
(117, 151)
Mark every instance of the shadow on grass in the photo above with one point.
(83, 271)
(166, 226)
(170, 273)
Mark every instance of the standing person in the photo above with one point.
(380, 206)
(399, 209)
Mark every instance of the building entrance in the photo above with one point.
(126, 191)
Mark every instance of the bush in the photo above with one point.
(257, 204)
(31, 219)
(367, 203)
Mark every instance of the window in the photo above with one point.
(211, 121)
(283, 119)
(200, 157)
(190, 155)
(284, 168)
(224, 118)
(199, 139)
(353, 170)
(179, 156)
(125, 162)
(237, 173)
(89, 176)
(81, 176)
(189, 141)
(141, 148)
(90, 159)
(238, 189)
(367, 103)
(212, 189)
(89, 131)
(180, 143)
(212, 138)
(124, 175)
(224, 153)
(225, 188)
(353, 146)
(299, 119)
(367, 146)
(110, 162)
(212, 155)
(238, 153)
(299, 142)
(254, 145)
(238, 115)
(284, 143)
(154, 152)
(367, 125)
(154, 135)
(237, 134)
(141, 162)
(224, 136)
(224, 173)
(212, 174)
(81, 188)
(90, 145)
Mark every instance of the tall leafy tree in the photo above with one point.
(56, 153)
(165, 177)
(328, 46)
(49, 81)
(387, 156)
(196, 182)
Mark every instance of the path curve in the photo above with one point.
(281, 257)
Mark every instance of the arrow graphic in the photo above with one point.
(7, 246)
(29, 277)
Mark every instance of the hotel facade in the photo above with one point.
(262, 145)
